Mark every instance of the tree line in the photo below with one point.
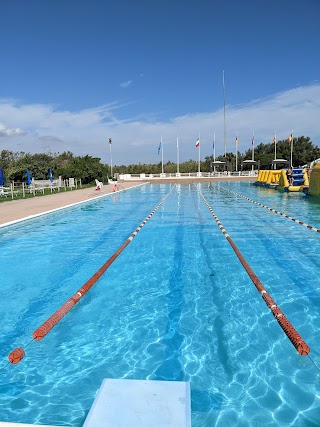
(88, 168)
(66, 165)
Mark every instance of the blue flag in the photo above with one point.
(29, 180)
(159, 148)
(1, 177)
(213, 145)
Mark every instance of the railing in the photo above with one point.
(42, 185)
(21, 189)
(144, 176)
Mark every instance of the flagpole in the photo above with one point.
(252, 150)
(214, 152)
(177, 155)
(199, 156)
(253, 146)
(161, 154)
(237, 153)
(110, 145)
(291, 163)
(224, 116)
(275, 145)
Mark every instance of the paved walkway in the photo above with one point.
(15, 210)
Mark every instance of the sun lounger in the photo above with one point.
(5, 192)
(99, 184)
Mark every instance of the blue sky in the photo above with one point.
(74, 73)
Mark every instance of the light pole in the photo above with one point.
(110, 145)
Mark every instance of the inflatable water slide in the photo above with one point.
(277, 179)
(300, 180)
(268, 178)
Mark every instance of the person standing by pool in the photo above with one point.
(289, 176)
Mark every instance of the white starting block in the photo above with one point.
(141, 403)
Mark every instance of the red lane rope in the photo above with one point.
(18, 354)
(300, 345)
(317, 230)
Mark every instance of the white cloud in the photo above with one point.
(5, 131)
(126, 84)
(28, 127)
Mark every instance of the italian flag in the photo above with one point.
(198, 143)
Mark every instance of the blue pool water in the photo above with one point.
(175, 305)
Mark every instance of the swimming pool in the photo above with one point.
(175, 305)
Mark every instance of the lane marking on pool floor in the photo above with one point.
(297, 341)
(297, 221)
(18, 354)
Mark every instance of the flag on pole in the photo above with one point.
(252, 143)
(198, 142)
(110, 141)
(213, 145)
(290, 138)
(236, 141)
(159, 148)
(274, 140)
(29, 180)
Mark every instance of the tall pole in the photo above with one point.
(161, 155)
(199, 156)
(110, 145)
(275, 145)
(252, 146)
(177, 155)
(252, 150)
(224, 117)
(214, 152)
(291, 150)
(237, 153)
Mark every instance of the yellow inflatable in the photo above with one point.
(314, 186)
(301, 180)
(268, 178)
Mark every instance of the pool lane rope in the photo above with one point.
(297, 221)
(300, 345)
(18, 354)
